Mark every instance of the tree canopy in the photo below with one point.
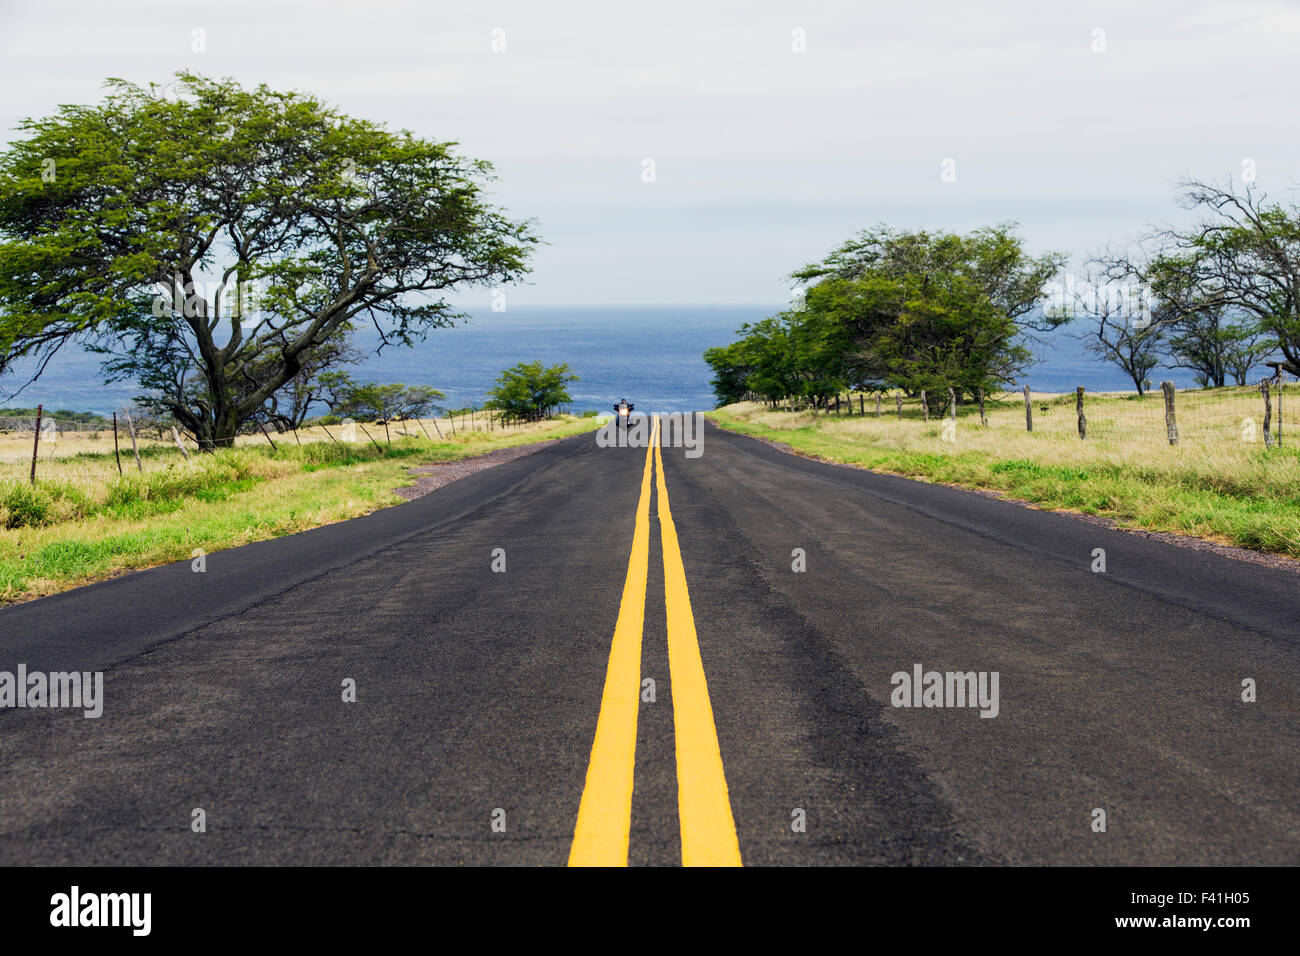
(530, 391)
(1230, 284)
(372, 401)
(217, 241)
(920, 311)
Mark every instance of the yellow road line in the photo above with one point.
(703, 804)
(600, 837)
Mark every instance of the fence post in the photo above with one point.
(1279, 406)
(1078, 406)
(1029, 412)
(1171, 423)
(1268, 412)
(862, 404)
(898, 403)
(877, 404)
(267, 434)
(135, 450)
(36, 440)
(116, 453)
(177, 436)
(983, 421)
(952, 403)
(372, 441)
(925, 406)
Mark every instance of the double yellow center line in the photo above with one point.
(703, 804)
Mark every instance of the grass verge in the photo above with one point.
(85, 523)
(1217, 484)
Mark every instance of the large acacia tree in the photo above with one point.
(931, 310)
(1231, 281)
(217, 240)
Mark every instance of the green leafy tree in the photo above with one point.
(732, 367)
(1231, 282)
(929, 311)
(530, 391)
(216, 240)
(372, 401)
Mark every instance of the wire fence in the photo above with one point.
(78, 445)
(51, 447)
(1254, 414)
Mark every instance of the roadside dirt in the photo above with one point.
(432, 477)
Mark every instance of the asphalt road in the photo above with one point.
(772, 737)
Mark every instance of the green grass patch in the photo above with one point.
(1230, 492)
(65, 531)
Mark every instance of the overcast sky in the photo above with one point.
(1073, 119)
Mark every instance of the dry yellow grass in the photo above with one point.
(82, 522)
(1218, 482)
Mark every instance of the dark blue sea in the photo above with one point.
(650, 355)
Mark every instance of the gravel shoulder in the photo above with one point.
(434, 476)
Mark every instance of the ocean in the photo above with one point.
(652, 355)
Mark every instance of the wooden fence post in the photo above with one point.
(877, 404)
(925, 406)
(1078, 406)
(372, 441)
(983, 420)
(1279, 406)
(1171, 423)
(36, 440)
(898, 403)
(1029, 412)
(952, 403)
(135, 449)
(116, 453)
(184, 451)
(862, 404)
(1268, 412)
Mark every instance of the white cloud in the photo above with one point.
(737, 121)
